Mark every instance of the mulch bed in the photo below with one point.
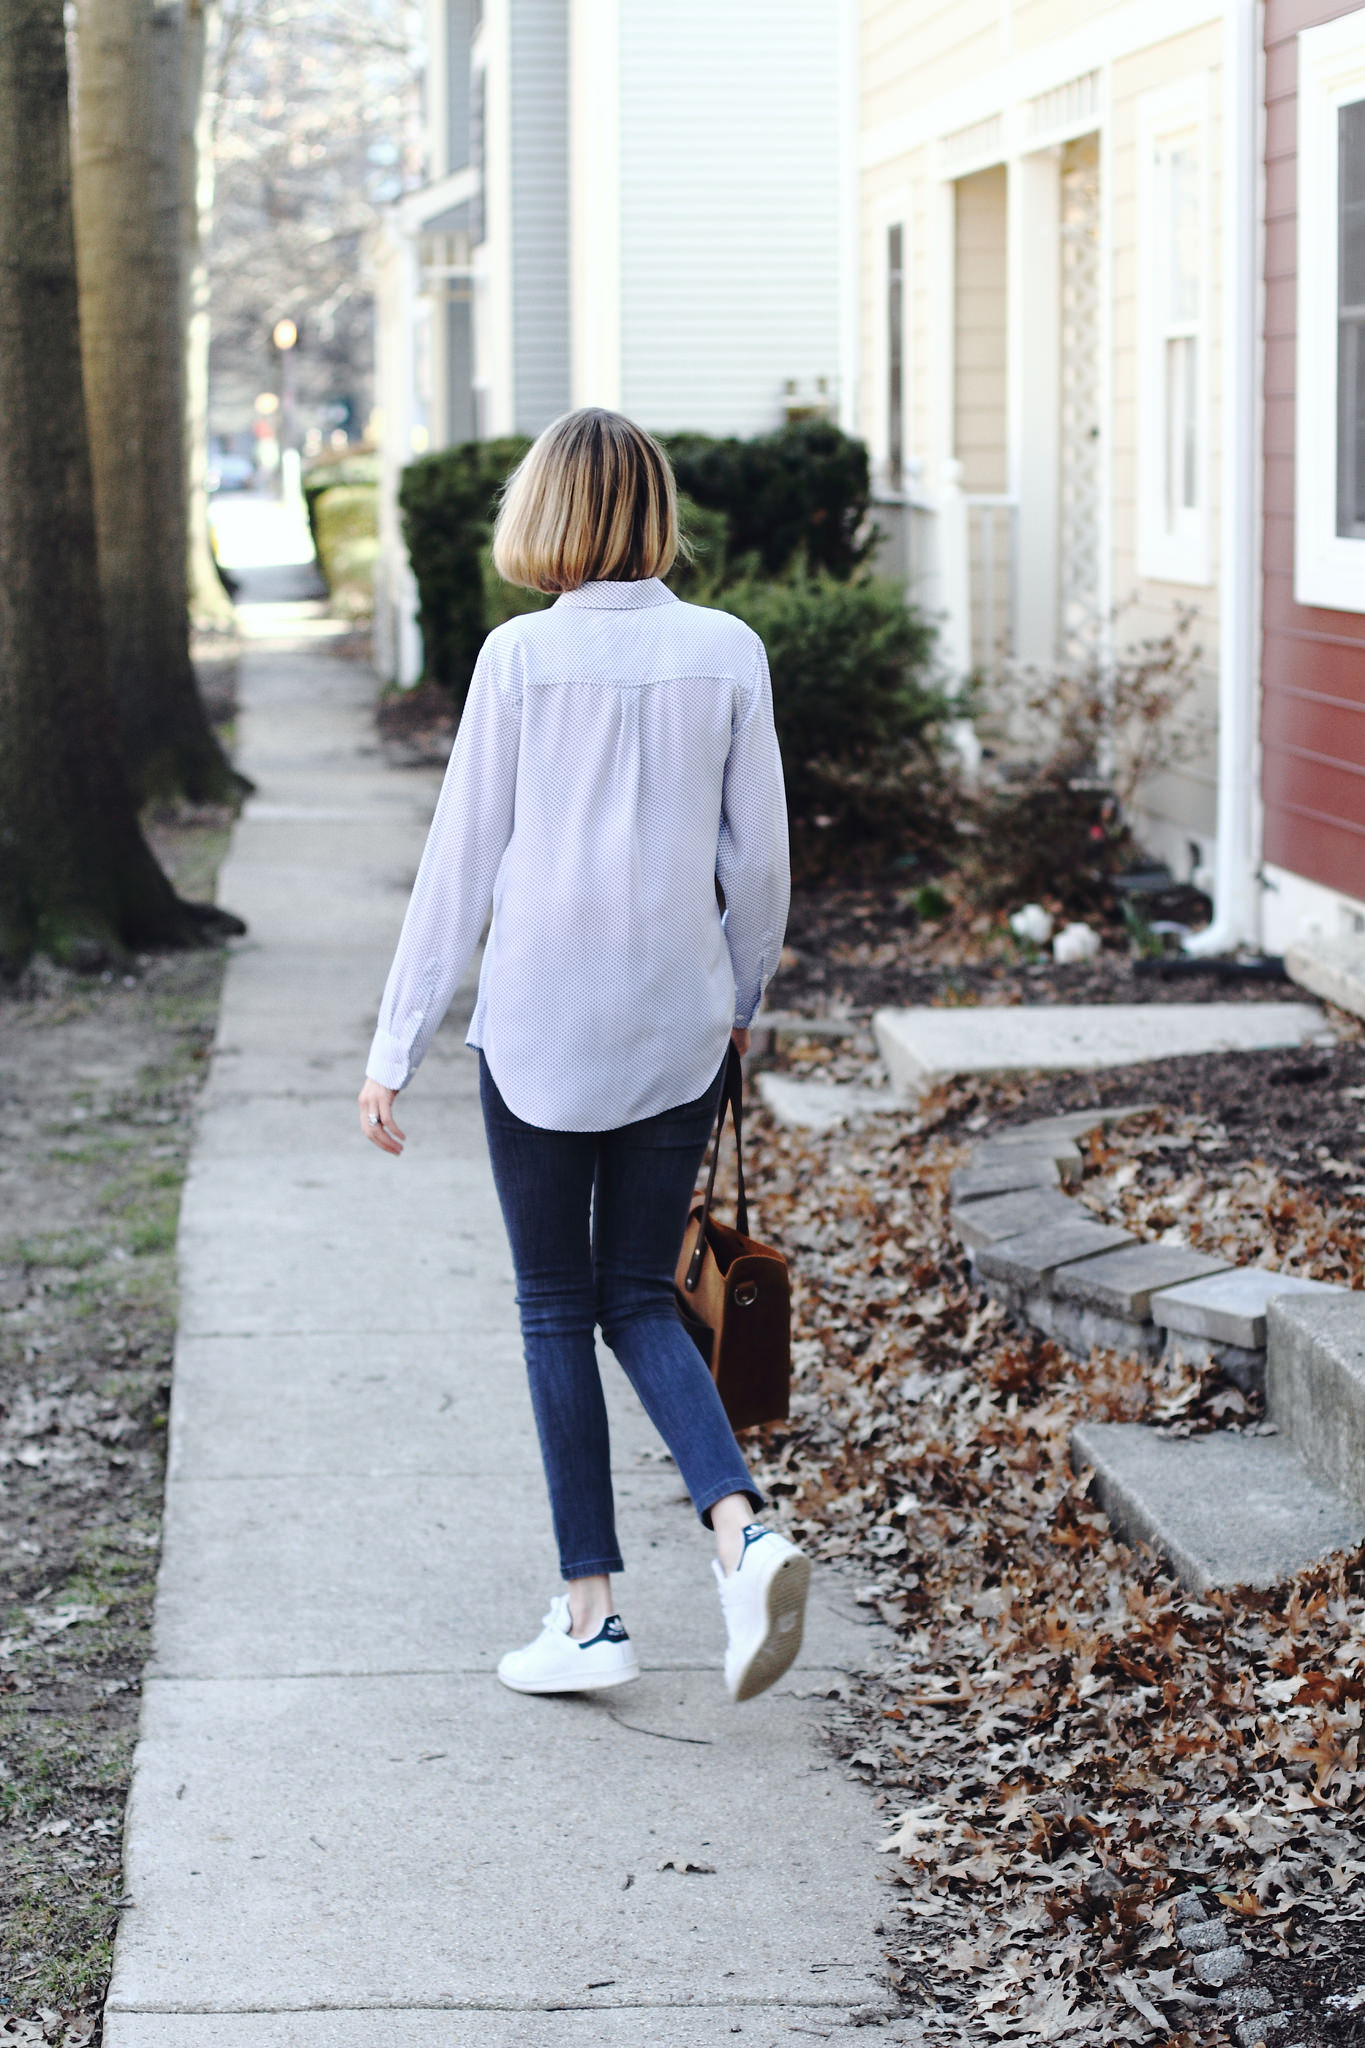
(853, 950)
(1064, 1740)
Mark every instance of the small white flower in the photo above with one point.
(1075, 942)
(1033, 924)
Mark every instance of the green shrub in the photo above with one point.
(790, 502)
(329, 472)
(346, 535)
(795, 498)
(703, 560)
(858, 715)
(448, 501)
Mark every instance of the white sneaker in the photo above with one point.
(764, 1603)
(554, 1662)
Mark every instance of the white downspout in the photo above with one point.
(1236, 919)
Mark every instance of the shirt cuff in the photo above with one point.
(388, 1062)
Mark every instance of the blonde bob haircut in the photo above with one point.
(594, 501)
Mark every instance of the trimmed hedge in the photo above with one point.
(448, 501)
(776, 530)
(345, 521)
(794, 499)
(790, 501)
(859, 716)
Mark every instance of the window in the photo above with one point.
(895, 356)
(1182, 265)
(1174, 294)
(1329, 431)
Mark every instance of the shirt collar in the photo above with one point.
(617, 597)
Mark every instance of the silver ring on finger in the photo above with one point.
(374, 1119)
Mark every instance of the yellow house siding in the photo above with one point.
(980, 422)
(1040, 21)
(911, 53)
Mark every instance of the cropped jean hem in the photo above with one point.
(707, 1496)
(594, 1568)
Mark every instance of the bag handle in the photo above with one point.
(731, 1098)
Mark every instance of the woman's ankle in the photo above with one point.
(729, 1519)
(589, 1605)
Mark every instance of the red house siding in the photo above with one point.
(1312, 662)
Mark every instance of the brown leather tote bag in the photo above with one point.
(734, 1293)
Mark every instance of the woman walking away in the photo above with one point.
(616, 759)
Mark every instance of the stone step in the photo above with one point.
(1025, 1266)
(1019, 1154)
(822, 1105)
(1030, 1170)
(771, 1028)
(1315, 1382)
(921, 1047)
(1229, 1307)
(1122, 1283)
(1224, 1510)
(988, 1218)
(1333, 968)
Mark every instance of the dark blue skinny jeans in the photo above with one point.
(595, 1220)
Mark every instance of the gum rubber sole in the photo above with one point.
(596, 1685)
(786, 1604)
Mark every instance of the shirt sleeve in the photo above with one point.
(454, 888)
(752, 859)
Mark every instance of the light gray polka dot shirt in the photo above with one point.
(616, 757)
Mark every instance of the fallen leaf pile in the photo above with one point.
(1173, 1180)
(1064, 1740)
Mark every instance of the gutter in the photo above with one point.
(1236, 887)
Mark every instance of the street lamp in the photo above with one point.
(285, 336)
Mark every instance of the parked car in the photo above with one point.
(230, 473)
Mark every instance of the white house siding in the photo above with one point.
(539, 186)
(729, 209)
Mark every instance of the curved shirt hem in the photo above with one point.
(669, 1093)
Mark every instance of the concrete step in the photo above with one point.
(1224, 1510)
(1230, 1307)
(989, 1218)
(822, 1105)
(1018, 1268)
(1332, 968)
(921, 1047)
(1315, 1382)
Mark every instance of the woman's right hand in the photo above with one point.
(739, 1038)
(376, 1118)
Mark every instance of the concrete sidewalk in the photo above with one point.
(343, 1833)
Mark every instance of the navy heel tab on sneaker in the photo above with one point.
(752, 1532)
(613, 1630)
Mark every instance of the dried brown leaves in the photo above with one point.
(1064, 1738)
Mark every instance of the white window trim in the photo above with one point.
(1328, 571)
(1163, 555)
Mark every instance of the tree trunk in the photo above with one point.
(210, 605)
(77, 878)
(128, 239)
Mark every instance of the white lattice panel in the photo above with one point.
(1079, 554)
